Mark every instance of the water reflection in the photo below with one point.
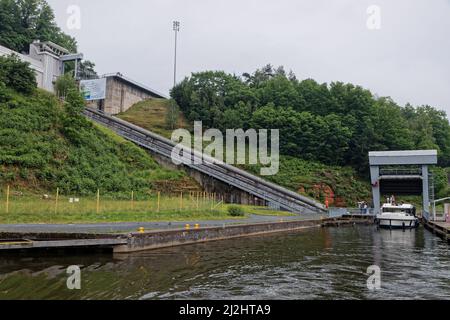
(328, 263)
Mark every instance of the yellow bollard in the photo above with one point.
(7, 199)
(197, 226)
(141, 230)
(188, 226)
(98, 201)
(159, 198)
(56, 200)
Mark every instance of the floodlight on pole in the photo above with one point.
(176, 29)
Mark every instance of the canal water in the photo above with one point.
(322, 263)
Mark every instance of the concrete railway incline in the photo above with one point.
(273, 194)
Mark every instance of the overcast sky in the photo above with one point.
(408, 58)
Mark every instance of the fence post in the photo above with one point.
(98, 200)
(211, 200)
(159, 198)
(181, 201)
(7, 198)
(198, 195)
(56, 200)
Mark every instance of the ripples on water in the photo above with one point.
(328, 263)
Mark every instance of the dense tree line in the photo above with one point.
(333, 123)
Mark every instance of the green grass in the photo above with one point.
(32, 209)
(44, 147)
(151, 115)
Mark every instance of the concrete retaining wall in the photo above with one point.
(210, 184)
(155, 240)
(133, 242)
(120, 96)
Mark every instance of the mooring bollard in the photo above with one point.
(197, 226)
(187, 226)
(141, 230)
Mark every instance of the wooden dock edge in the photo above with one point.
(438, 229)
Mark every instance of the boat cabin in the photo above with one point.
(406, 208)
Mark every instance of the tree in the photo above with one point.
(280, 91)
(23, 21)
(206, 95)
(64, 85)
(87, 70)
(17, 74)
(336, 124)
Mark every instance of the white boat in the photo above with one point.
(397, 216)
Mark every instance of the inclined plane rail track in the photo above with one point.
(240, 179)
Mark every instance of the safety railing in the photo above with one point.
(339, 212)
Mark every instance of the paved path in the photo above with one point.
(133, 226)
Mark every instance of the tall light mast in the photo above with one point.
(176, 29)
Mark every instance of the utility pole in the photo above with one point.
(176, 28)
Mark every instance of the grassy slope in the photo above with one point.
(306, 177)
(39, 154)
(151, 115)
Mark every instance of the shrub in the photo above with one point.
(172, 115)
(64, 85)
(235, 211)
(17, 74)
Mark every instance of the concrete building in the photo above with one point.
(121, 93)
(47, 60)
(117, 94)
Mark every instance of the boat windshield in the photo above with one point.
(393, 209)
